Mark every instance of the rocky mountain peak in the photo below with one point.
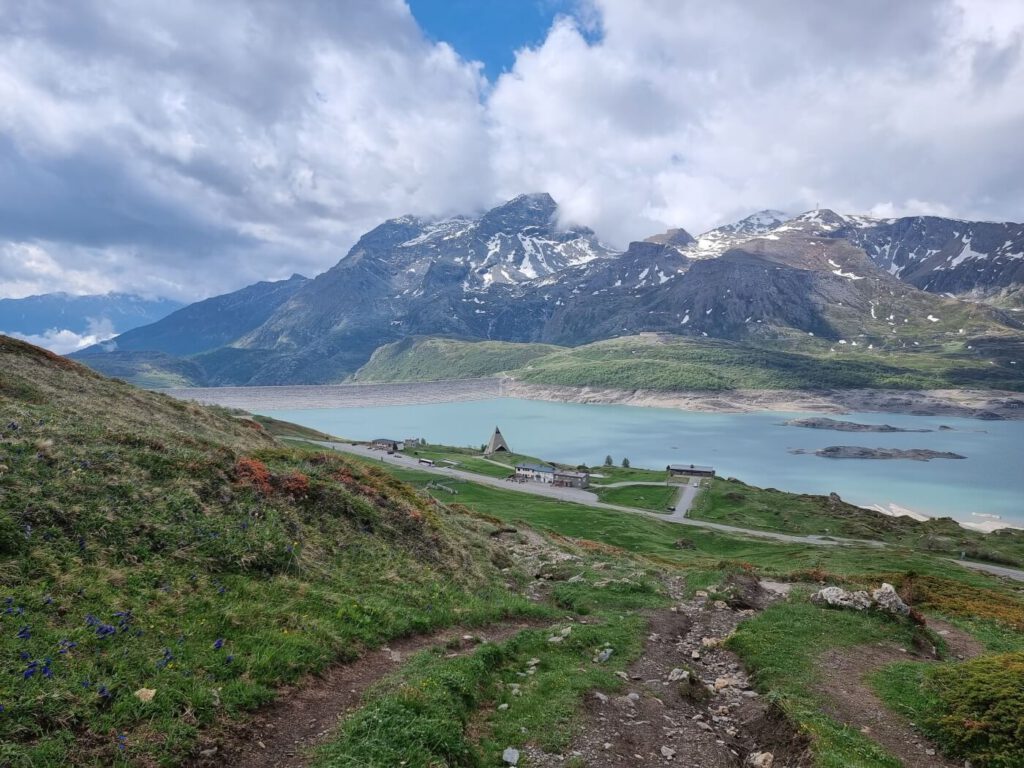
(677, 237)
(533, 210)
(757, 223)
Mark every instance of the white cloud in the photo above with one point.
(692, 113)
(185, 149)
(64, 342)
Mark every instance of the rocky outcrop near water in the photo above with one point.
(820, 422)
(860, 452)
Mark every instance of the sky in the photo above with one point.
(186, 149)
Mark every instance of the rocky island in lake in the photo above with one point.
(860, 452)
(822, 422)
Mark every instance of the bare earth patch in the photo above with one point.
(843, 673)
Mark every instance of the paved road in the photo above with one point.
(997, 570)
(580, 496)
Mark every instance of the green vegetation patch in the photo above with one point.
(973, 709)
(781, 646)
(164, 566)
(653, 497)
(733, 502)
(421, 717)
(676, 363)
(432, 359)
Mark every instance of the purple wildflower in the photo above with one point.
(218, 643)
(25, 633)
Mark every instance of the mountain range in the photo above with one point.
(64, 322)
(514, 274)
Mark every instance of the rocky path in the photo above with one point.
(283, 734)
(843, 674)
(687, 701)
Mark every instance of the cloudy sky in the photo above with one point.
(183, 149)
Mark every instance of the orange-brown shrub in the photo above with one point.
(294, 484)
(253, 472)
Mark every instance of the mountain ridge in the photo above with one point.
(512, 274)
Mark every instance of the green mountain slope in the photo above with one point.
(675, 363)
(165, 566)
(432, 359)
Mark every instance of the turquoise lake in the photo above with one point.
(754, 447)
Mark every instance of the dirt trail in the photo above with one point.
(843, 674)
(282, 735)
(668, 716)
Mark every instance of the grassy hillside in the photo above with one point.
(675, 363)
(165, 566)
(431, 359)
(733, 502)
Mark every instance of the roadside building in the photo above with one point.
(690, 470)
(567, 479)
(387, 444)
(538, 473)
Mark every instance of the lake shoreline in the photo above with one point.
(988, 405)
(964, 403)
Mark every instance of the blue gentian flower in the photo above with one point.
(25, 633)
(218, 643)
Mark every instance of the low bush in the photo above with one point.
(980, 712)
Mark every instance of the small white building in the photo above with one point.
(538, 473)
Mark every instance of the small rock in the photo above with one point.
(502, 707)
(886, 599)
(555, 639)
(607, 745)
(510, 756)
(603, 656)
(668, 753)
(760, 760)
(145, 694)
(633, 696)
(677, 674)
(837, 597)
(724, 682)
(695, 655)
(208, 752)
(623, 675)
(603, 698)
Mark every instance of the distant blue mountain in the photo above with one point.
(64, 323)
(120, 312)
